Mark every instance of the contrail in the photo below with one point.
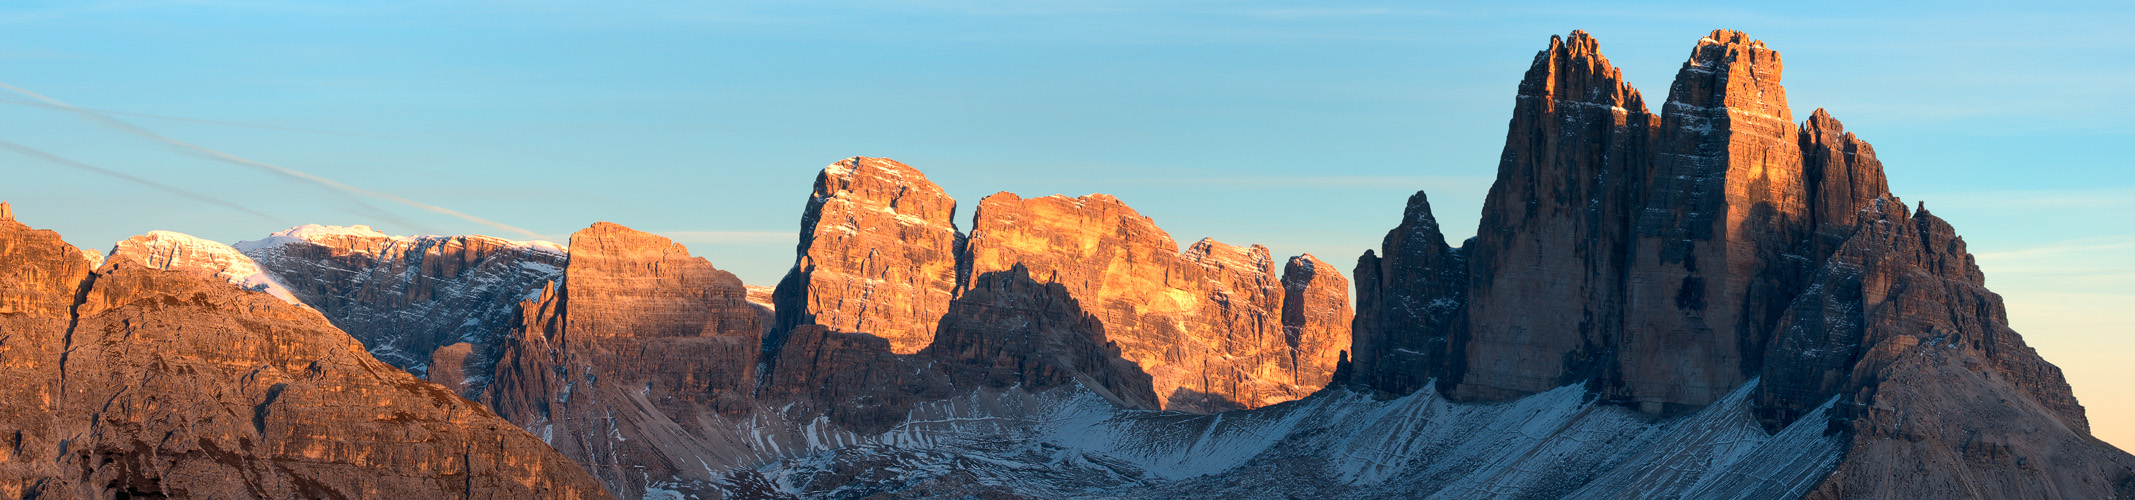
(49, 157)
(272, 168)
(184, 119)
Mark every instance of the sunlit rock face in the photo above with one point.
(39, 277)
(1663, 262)
(629, 362)
(178, 380)
(439, 307)
(877, 255)
(1212, 327)
(1207, 324)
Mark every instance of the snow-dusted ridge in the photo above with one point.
(331, 236)
(172, 250)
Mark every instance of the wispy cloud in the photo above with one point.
(2048, 199)
(2118, 245)
(1390, 182)
(58, 160)
(286, 172)
(731, 236)
(182, 119)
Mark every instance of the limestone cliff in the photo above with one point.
(628, 362)
(877, 255)
(1206, 324)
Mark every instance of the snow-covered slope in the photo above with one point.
(1339, 443)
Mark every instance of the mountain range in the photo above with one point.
(1704, 300)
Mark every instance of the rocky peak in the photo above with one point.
(1315, 319)
(632, 358)
(877, 255)
(632, 283)
(1573, 72)
(1548, 258)
(1411, 307)
(1842, 172)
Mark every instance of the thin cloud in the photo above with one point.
(2118, 244)
(1375, 182)
(731, 236)
(267, 167)
(57, 160)
(182, 119)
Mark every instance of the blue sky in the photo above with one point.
(1299, 127)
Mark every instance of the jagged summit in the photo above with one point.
(1573, 72)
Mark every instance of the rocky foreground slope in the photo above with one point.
(1710, 300)
(175, 368)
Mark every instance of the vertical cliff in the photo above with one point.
(877, 255)
(1207, 328)
(39, 279)
(1206, 323)
(1546, 271)
(627, 363)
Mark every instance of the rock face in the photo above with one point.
(39, 279)
(1547, 270)
(877, 255)
(1008, 329)
(1929, 376)
(628, 363)
(1665, 262)
(1726, 208)
(1206, 324)
(417, 303)
(177, 383)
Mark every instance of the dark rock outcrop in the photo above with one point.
(177, 381)
(1411, 307)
